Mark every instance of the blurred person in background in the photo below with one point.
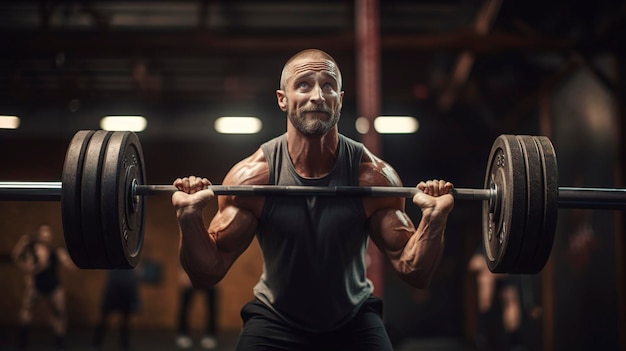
(503, 287)
(121, 295)
(187, 291)
(39, 259)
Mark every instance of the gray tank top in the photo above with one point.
(313, 247)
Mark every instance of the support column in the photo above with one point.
(368, 102)
(620, 242)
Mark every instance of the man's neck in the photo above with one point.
(312, 156)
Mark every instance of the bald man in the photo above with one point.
(313, 293)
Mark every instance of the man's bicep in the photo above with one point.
(233, 228)
(390, 229)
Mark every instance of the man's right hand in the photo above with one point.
(192, 196)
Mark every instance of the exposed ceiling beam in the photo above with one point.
(482, 25)
(202, 43)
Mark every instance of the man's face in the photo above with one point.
(312, 97)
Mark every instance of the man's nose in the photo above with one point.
(317, 95)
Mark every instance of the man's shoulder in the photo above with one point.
(373, 171)
(252, 170)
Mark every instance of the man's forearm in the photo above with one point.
(424, 249)
(199, 253)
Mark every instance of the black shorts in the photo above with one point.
(265, 330)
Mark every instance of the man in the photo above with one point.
(186, 292)
(313, 293)
(120, 295)
(505, 288)
(39, 260)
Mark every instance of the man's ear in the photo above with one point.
(282, 100)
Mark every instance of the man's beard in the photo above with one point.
(314, 127)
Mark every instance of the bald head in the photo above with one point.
(306, 55)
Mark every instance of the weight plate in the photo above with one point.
(551, 201)
(534, 206)
(71, 198)
(90, 201)
(504, 219)
(122, 213)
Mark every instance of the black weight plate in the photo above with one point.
(71, 199)
(90, 200)
(534, 206)
(551, 201)
(123, 213)
(504, 222)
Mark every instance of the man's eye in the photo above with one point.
(303, 85)
(329, 86)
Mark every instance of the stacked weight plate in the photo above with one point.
(519, 225)
(102, 220)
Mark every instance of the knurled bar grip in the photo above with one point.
(569, 197)
(290, 190)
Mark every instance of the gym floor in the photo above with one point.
(42, 339)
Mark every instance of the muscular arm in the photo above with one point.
(207, 254)
(413, 252)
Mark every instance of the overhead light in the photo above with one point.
(124, 123)
(396, 124)
(9, 122)
(238, 125)
(362, 125)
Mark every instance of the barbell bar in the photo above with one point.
(103, 185)
(52, 191)
(569, 197)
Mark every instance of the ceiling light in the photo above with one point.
(124, 123)
(9, 122)
(396, 124)
(238, 125)
(362, 125)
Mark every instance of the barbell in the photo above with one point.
(103, 185)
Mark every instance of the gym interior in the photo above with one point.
(465, 71)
